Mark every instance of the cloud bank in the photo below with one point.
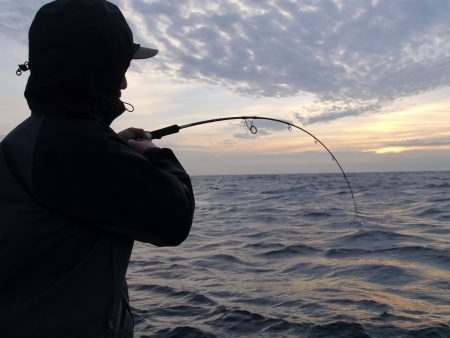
(353, 57)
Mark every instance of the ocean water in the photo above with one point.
(286, 256)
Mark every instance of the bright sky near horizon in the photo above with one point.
(371, 79)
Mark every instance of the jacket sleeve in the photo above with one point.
(108, 185)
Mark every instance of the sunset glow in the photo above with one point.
(391, 150)
(316, 68)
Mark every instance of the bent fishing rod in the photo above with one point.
(173, 129)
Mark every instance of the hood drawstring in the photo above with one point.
(128, 106)
(23, 68)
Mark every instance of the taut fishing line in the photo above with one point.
(173, 129)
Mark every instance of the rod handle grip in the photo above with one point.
(158, 133)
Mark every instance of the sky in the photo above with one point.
(369, 78)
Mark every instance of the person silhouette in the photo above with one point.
(75, 195)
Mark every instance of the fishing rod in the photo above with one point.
(173, 129)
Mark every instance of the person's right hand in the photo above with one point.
(141, 145)
(132, 133)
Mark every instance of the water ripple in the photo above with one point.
(285, 256)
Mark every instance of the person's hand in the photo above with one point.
(133, 134)
(137, 138)
(141, 145)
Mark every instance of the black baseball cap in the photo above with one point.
(143, 52)
(79, 29)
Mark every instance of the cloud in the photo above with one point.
(357, 56)
(260, 127)
(249, 135)
(16, 17)
(329, 110)
(421, 143)
(412, 145)
(354, 56)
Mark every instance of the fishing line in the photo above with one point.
(173, 129)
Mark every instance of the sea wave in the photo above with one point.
(286, 256)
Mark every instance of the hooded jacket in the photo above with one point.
(74, 196)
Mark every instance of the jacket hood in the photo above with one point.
(79, 51)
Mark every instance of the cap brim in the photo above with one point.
(144, 53)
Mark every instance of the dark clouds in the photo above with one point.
(353, 56)
(328, 110)
(356, 56)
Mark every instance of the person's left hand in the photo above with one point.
(133, 134)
